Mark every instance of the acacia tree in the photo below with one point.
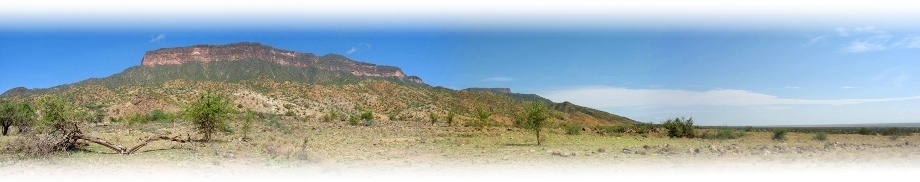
(24, 115)
(209, 114)
(535, 117)
(7, 116)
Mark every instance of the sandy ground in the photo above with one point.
(419, 152)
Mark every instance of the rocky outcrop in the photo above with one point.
(247, 50)
(495, 90)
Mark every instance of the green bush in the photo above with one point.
(748, 129)
(572, 129)
(821, 136)
(779, 134)
(727, 133)
(209, 114)
(159, 115)
(367, 115)
(450, 118)
(353, 121)
(137, 118)
(610, 130)
(865, 131)
(893, 132)
(679, 127)
(433, 118)
(392, 117)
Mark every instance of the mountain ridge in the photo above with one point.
(206, 53)
(295, 91)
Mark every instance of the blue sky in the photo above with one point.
(720, 62)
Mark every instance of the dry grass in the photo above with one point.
(420, 144)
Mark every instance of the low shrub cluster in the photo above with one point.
(779, 134)
(679, 128)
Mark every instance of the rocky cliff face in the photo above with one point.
(247, 50)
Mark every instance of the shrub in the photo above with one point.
(821, 136)
(779, 134)
(247, 124)
(209, 114)
(892, 132)
(865, 131)
(329, 117)
(392, 117)
(353, 121)
(433, 118)
(572, 129)
(610, 130)
(482, 117)
(748, 129)
(450, 118)
(160, 116)
(367, 115)
(727, 133)
(289, 113)
(137, 118)
(535, 118)
(679, 127)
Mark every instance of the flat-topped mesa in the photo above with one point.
(249, 50)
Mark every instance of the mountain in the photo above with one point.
(296, 85)
(247, 50)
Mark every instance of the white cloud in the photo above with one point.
(815, 40)
(499, 79)
(352, 50)
(157, 38)
(842, 32)
(847, 87)
(862, 46)
(908, 42)
(604, 96)
(792, 87)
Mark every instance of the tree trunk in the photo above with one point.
(5, 130)
(123, 150)
(116, 148)
(538, 137)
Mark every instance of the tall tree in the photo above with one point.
(7, 115)
(24, 116)
(209, 114)
(535, 117)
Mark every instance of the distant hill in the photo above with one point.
(299, 85)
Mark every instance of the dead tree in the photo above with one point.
(72, 135)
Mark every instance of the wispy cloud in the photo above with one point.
(604, 96)
(792, 87)
(869, 38)
(356, 48)
(847, 87)
(894, 76)
(908, 42)
(816, 40)
(352, 50)
(157, 38)
(863, 46)
(499, 79)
